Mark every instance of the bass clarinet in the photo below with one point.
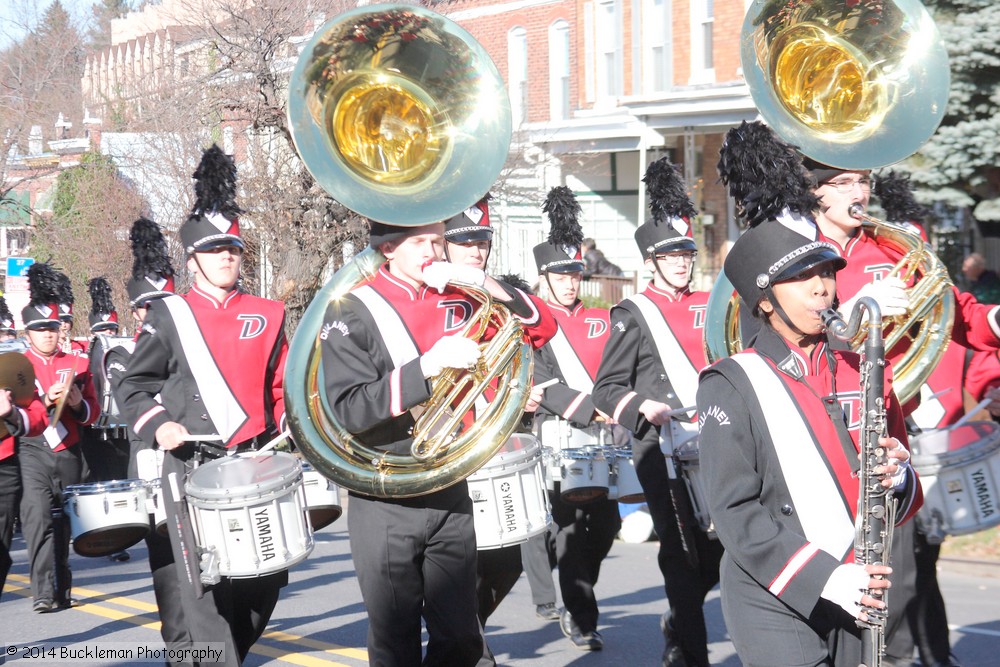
(876, 513)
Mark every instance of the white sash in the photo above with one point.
(390, 325)
(683, 375)
(572, 369)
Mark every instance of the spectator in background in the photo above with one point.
(982, 282)
(596, 264)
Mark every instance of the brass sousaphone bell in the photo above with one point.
(856, 86)
(400, 115)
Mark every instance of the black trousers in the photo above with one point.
(416, 557)
(234, 611)
(538, 557)
(686, 584)
(44, 475)
(917, 615)
(585, 533)
(10, 496)
(106, 458)
(497, 570)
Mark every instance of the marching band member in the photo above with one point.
(30, 421)
(976, 325)
(414, 557)
(468, 238)
(919, 617)
(107, 456)
(51, 461)
(585, 532)
(648, 373)
(152, 279)
(778, 446)
(215, 358)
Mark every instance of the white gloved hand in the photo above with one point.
(890, 295)
(846, 586)
(449, 352)
(438, 274)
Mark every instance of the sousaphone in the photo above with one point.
(400, 115)
(855, 85)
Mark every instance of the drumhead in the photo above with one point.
(243, 476)
(520, 449)
(948, 446)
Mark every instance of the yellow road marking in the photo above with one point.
(154, 624)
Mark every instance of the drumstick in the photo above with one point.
(681, 411)
(274, 441)
(201, 438)
(971, 413)
(547, 383)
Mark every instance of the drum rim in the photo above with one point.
(110, 486)
(288, 478)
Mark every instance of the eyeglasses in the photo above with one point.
(678, 258)
(846, 185)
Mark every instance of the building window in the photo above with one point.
(559, 70)
(702, 57)
(657, 70)
(517, 67)
(608, 50)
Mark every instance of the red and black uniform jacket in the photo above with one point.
(779, 480)
(572, 357)
(58, 368)
(632, 369)
(217, 367)
(371, 342)
(23, 422)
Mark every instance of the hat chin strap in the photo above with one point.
(552, 294)
(769, 293)
(209, 280)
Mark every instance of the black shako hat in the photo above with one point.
(773, 251)
(896, 197)
(472, 224)
(44, 288)
(561, 253)
(669, 228)
(821, 173)
(214, 219)
(6, 317)
(103, 316)
(152, 272)
(65, 297)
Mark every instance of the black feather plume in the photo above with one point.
(764, 174)
(894, 192)
(101, 302)
(215, 184)
(149, 250)
(564, 218)
(5, 314)
(666, 192)
(43, 284)
(516, 281)
(65, 289)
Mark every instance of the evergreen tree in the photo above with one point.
(102, 13)
(958, 166)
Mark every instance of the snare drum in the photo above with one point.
(960, 473)
(624, 483)
(560, 434)
(322, 497)
(106, 517)
(687, 457)
(509, 502)
(249, 514)
(155, 506)
(584, 475)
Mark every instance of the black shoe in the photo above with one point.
(68, 603)
(673, 655)
(119, 556)
(587, 641)
(567, 624)
(547, 611)
(42, 606)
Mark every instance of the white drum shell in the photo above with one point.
(959, 471)
(106, 517)
(560, 434)
(251, 511)
(624, 483)
(509, 503)
(322, 497)
(585, 474)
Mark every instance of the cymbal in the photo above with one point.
(18, 375)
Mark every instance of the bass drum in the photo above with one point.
(960, 473)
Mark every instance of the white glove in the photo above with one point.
(449, 352)
(890, 294)
(845, 587)
(438, 274)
